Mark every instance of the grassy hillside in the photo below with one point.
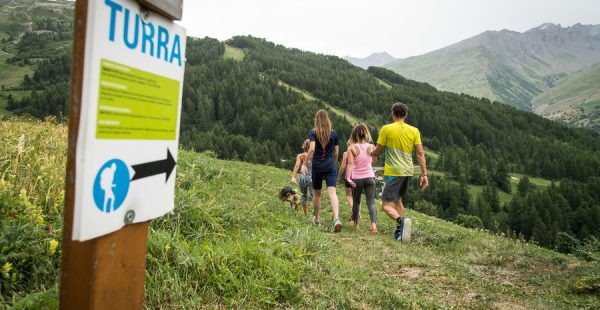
(460, 71)
(231, 243)
(233, 53)
(340, 112)
(30, 31)
(575, 101)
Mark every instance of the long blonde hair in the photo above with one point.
(360, 132)
(322, 127)
(305, 145)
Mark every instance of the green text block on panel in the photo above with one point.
(135, 104)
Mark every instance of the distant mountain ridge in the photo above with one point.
(375, 59)
(508, 66)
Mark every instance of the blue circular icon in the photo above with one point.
(111, 185)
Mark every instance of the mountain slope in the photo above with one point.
(248, 99)
(576, 100)
(30, 31)
(231, 243)
(375, 59)
(508, 66)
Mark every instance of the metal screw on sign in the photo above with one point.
(145, 14)
(129, 217)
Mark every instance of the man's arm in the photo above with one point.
(370, 152)
(378, 149)
(423, 180)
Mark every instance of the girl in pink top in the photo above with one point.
(362, 177)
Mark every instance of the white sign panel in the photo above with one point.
(130, 114)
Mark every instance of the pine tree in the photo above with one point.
(524, 186)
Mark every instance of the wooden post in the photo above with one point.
(107, 272)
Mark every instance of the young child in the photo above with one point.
(361, 176)
(347, 186)
(305, 178)
(323, 151)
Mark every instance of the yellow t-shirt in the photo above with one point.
(399, 140)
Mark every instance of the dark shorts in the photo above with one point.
(330, 177)
(395, 188)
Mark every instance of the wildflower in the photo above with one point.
(167, 247)
(23, 194)
(6, 269)
(39, 220)
(20, 145)
(53, 246)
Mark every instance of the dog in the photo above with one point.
(290, 195)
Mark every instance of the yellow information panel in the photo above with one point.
(135, 104)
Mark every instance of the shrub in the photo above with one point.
(469, 221)
(426, 207)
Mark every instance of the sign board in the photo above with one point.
(130, 114)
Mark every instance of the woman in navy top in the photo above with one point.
(324, 150)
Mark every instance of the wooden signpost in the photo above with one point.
(108, 272)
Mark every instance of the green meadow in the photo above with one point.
(230, 243)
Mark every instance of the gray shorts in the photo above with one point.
(306, 187)
(395, 188)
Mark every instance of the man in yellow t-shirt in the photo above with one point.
(399, 140)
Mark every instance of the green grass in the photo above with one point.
(340, 112)
(591, 106)
(573, 100)
(304, 93)
(475, 190)
(343, 113)
(231, 244)
(3, 111)
(539, 182)
(4, 100)
(234, 53)
(11, 75)
(384, 83)
(431, 154)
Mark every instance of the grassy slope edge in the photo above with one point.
(231, 243)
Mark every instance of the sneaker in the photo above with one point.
(398, 233)
(406, 230)
(399, 230)
(316, 221)
(373, 229)
(337, 225)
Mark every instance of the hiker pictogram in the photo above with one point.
(111, 185)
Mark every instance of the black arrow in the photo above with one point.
(154, 168)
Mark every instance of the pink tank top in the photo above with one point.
(362, 163)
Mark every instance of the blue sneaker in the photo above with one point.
(337, 225)
(399, 229)
(398, 234)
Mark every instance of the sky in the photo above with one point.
(358, 28)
